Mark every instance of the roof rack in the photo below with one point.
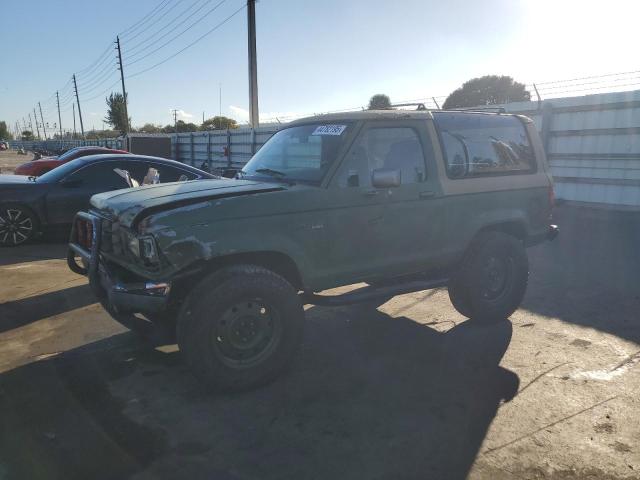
(480, 109)
(419, 106)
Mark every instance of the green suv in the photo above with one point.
(400, 200)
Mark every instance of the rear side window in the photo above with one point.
(477, 145)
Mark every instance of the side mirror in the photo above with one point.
(71, 183)
(386, 178)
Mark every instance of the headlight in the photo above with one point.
(143, 248)
(148, 249)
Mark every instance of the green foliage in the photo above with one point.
(115, 112)
(95, 134)
(487, 90)
(4, 132)
(219, 123)
(27, 135)
(150, 128)
(379, 101)
(182, 127)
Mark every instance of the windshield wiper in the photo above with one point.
(271, 172)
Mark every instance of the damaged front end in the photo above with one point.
(120, 291)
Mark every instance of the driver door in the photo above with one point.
(72, 194)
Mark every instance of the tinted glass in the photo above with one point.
(101, 174)
(70, 154)
(396, 148)
(171, 174)
(299, 153)
(480, 144)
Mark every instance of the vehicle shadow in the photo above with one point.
(39, 249)
(369, 396)
(590, 274)
(18, 313)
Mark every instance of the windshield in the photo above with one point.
(302, 153)
(68, 154)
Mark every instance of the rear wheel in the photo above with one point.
(239, 327)
(18, 225)
(492, 280)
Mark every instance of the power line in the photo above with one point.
(131, 50)
(181, 33)
(156, 21)
(189, 45)
(140, 22)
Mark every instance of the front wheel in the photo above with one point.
(492, 280)
(18, 225)
(239, 327)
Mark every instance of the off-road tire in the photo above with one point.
(201, 326)
(483, 295)
(25, 220)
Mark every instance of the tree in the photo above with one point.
(115, 112)
(182, 127)
(487, 90)
(27, 135)
(150, 128)
(379, 101)
(218, 123)
(4, 132)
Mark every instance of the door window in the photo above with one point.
(392, 148)
(100, 175)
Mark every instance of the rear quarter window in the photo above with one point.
(477, 145)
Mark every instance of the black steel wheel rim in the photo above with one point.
(497, 275)
(247, 333)
(16, 226)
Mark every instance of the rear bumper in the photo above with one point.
(115, 295)
(552, 232)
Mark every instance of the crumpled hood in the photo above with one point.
(130, 203)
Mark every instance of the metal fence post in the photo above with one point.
(228, 148)
(209, 149)
(177, 147)
(547, 118)
(253, 141)
(193, 156)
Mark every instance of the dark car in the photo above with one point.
(43, 165)
(29, 205)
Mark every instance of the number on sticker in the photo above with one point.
(329, 130)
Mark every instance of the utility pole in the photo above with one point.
(24, 124)
(30, 124)
(44, 129)
(75, 86)
(254, 116)
(175, 119)
(74, 120)
(124, 92)
(35, 117)
(59, 118)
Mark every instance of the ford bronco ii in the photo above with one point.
(400, 200)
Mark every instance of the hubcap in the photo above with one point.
(247, 333)
(496, 275)
(15, 226)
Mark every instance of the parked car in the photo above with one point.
(404, 201)
(29, 205)
(38, 167)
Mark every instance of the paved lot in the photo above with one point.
(409, 390)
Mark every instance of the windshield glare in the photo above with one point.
(67, 154)
(302, 153)
(60, 172)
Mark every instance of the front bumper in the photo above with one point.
(115, 295)
(552, 232)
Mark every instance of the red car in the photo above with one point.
(36, 168)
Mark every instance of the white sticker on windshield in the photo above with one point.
(329, 130)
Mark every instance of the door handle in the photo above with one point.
(372, 193)
(427, 194)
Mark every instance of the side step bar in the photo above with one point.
(366, 294)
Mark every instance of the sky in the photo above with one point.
(313, 56)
